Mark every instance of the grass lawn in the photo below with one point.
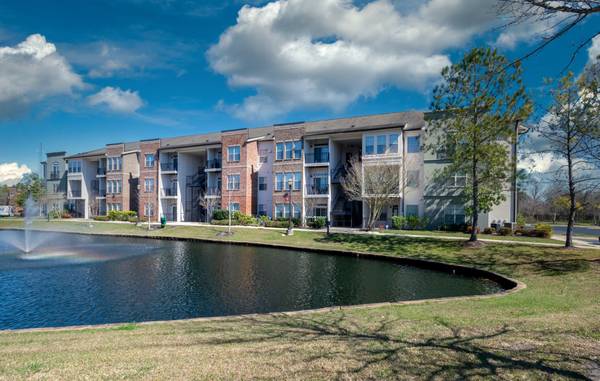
(480, 235)
(550, 330)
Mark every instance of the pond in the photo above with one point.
(73, 279)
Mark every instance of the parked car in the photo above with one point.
(6, 211)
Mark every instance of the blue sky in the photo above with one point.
(85, 73)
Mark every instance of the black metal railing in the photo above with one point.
(101, 171)
(213, 191)
(317, 189)
(74, 193)
(168, 192)
(169, 166)
(214, 164)
(317, 157)
(55, 176)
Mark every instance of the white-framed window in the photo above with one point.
(262, 183)
(458, 181)
(297, 180)
(113, 186)
(233, 182)
(393, 148)
(411, 210)
(279, 181)
(113, 163)
(74, 166)
(149, 185)
(233, 153)
(149, 209)
(369, 145)
(413, 144)
(283, 210)
(149, 160)
(454, 214)
(234, 207)
(412, 179)
(289, 150)
(55, 170)
(381, 143)
(113, 206)
(297, 149)
(282, 181)
(279, 149)
(320, 211)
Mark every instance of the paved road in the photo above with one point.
(578, 230)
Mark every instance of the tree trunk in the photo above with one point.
(572, 201)
(475, 208)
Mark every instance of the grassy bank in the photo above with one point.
(549, 330)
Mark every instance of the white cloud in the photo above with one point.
(329, 53)
(529, 31)
(125, 101)
(11, 173)
(594, 49)
(30, 72)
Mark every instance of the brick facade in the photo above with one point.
(281, 135)
(147, 196)
(245, 167)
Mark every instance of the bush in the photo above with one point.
(262, 220)
(317, 222)
(454, 227)
(220, 214)
(243, 219)
(276, 224)
(54, 214)
(100, 218)
(469, 230)
(221, 222)
(122, 215)
(543, 230)
(505, 231)
(398, 222)
(488, 231)
(65, 215)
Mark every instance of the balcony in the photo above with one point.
(169, 192)
(213, 164)
(100, 193)
(101, 171)
(168, 166)
(213, 191)
(55, 176)
(317, 190)
(317, 158)
(74, 194)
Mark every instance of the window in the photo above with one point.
(55, 170)
(289, 177)
(297, 180)
(149, 210)
(149, 185)
(74, 166)
(369, 145)
(113, 186)
(320, 211)
(283, 210)
(55, 188)
(262, 183)
(113, 163)
(279, 151)
(233, 153)
(113, 206)
(395, 210)
(149, 161)
(279, 210)
(411, 210)
(412, 179)
(279, 179)
(298, 149)
(261, 210)
(234, 207)
(233, 182)
(394, 143)
(458, 181)
(288, 150)
(413, 144)
(454, 214)
(381, 144)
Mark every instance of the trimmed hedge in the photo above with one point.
(122, 215)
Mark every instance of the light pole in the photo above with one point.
(229, 209)
(290, 229)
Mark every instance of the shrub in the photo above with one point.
(454, 227)
(398, 222)
(469, 230)
(276, 224)
(220, 214)
(221, 222)
(122, 215)
(133, 219)
(543, 230)
(243, 219)
(100, 218)
(488, 231)
(65, 215)
(505, 231)
(317, 222)
(54, 214)
(521, 220)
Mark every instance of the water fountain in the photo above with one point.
(27, 240)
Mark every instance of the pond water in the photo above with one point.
(82, 279)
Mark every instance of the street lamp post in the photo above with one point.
(290, 229)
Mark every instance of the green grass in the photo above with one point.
(550, 330)
(441, 234)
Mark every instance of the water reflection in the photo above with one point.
(89, 280)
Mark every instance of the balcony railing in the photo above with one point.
(169, 166)
(214, 164)
(169, 192)
(320, 157)
(55, 176)
(101, 193)
(213, 191)
(101, 171)
(317, 189)
(75, 194)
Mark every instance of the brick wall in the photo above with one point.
(283, 134)
(113, 151)
(145, 197)
(245, 168)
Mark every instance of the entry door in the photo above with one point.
(174, 212)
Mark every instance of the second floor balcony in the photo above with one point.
(316, 158)
(169, 166)
(101, 171)
(317, 189)
(169, 192)
(213, 191)
(74, 193)
(54, 176)
(213, 164)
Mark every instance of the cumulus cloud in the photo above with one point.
(329, 53)
(124, 101)
(30, 72)
(11, 173)
(594, 49)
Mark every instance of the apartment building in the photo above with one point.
(54, 173)
(261, 171)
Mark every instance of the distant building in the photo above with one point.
(55, 179)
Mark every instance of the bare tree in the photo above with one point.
(559, 17)
(375, 183)
(208, 203)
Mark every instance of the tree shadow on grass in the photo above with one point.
(373, 351)
(508, 259)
